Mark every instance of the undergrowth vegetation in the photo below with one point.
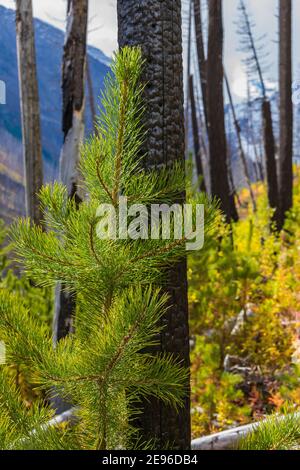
(37, 300)
(245, 310)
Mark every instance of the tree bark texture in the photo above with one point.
(155, 25)
(286, 108)
(196, 137)
(73, 80)
(269, 139)
(73, 86)
(187, 93)
(202, 64)
(271, 166)
(215, 107)
(91, 93)
(30, 108)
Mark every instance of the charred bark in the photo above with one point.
(188, 71)
(269, 139)
(216, 121)
(73, 81)
(91, 92)
(271, 168)
(201, 55)
(155, 25)
(196, 138)
(286, 109)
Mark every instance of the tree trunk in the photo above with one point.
(258, 157)
(30, 109)
(201, 55)
(196, 138)
(232, 187)
(91, 93)
(73, 81)
(271, 167)
(188, 72)
(156, 26)
(215, 107)
(269, 140)
(286, 109)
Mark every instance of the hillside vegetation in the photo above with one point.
(244, 310)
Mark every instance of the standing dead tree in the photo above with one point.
(73, 80)
(30, 108)
(196, 136)
(286, 109)
(254, 64)
(230, 152)
(156, 27)
(215, 106)
(251, 131)
(240, 143)
(188, 73)
(203, 137)
(91, 92)
(202, 63)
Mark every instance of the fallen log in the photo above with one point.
(223, 440)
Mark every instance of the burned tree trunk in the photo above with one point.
(91, 93)
(73, 80)
(201, 55)
(271, 168)
(215, 107)
(156, 26)
(286, 109)
(258, 156)
(269, 140)
(196, 138)
(188, 72)
(30, 109)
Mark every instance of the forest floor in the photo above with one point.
(244, 301)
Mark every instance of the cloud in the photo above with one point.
(102, 19)
(103, 28)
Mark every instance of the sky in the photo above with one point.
(103, 31)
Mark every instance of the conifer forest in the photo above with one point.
(149, 227)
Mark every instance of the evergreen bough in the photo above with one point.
(274, 433)
(103, 369)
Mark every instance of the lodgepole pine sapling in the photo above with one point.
(103, 368)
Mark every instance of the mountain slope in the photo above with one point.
(49, 49)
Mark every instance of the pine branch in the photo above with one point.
(103, 183)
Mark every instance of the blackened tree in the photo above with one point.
(156, 26)
(215, 109)
(286, 109)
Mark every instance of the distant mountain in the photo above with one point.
(49, 49)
